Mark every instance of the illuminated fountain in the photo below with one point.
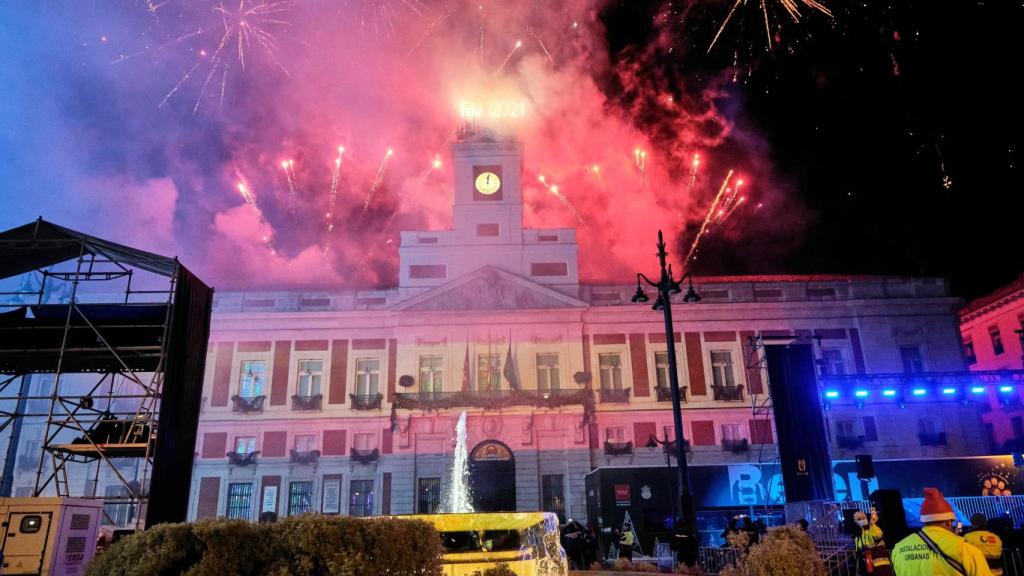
(459, 498)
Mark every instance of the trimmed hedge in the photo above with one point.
(298, 546)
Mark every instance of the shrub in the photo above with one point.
(785, 550)
(299, 546)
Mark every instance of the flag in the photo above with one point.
(509, 371)
(465, 371)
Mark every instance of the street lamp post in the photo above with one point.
(666, 286)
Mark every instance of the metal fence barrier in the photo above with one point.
(714, 560)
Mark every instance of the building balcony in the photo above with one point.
(849, 442)
(304, 458)
(239, 459)
(728, 393)
(618, 448)
(488, 399)
(307, 403)
(735, 446)
(366, 401)
(365, 456)
(664, 393)
(669, 447)
(247, 404)
(932, 439)
(613, 396)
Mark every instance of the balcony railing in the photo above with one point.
(850, 442)
(365, 456)
(613, 396)
(304, 403)
(618, 448)
(488, 399)
(240, 459)
(728, 393)
(366, 401)
(305, 458)
(932, 439)
(664, 393)
(669, 447)
(735, 446)
(247, 404)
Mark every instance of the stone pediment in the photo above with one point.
(489, 288)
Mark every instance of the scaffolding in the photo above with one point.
(109, 342)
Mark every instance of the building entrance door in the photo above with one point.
(492, 477)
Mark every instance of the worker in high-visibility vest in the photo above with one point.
(935, 550)
(871, 552)
(990, 544)
(626, 540)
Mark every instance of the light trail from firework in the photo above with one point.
(640, 159)
(595, 169)
(553, 189)
(244, 26)
(707, 218)
(335, 175)
(289, 171)
(250, 199)
(382, 171)
(792, 8)
(694, 166)
(518, 45)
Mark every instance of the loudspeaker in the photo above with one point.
(865, 467)
(891, 517)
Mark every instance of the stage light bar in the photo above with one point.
(888, 392)
(861, 393)
(949, 391)
(831, 394)
(978, 390)
(1006, 389)
(919, 392)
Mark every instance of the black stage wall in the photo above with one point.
(180, 400)
(799, 423)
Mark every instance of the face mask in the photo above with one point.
(862, 523)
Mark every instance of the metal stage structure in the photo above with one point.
(104, 347)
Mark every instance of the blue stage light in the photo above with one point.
(860, 393)
(888, 393)
(1006, 389)
(949, 391)
(978, 390)
(831, 394)
(919, 392)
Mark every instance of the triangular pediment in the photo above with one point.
(489, 288)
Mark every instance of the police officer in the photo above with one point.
(989, 543)
(935, 550)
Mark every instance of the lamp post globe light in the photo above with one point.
(666, 286)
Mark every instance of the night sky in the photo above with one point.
(882, 140)
(867, 114)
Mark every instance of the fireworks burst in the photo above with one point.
(242, 27)
(694, 166)
(791, 7)
(379, 16)
(553, 189)
(640, 160)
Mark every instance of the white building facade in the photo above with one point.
(345, 402)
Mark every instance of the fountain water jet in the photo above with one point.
(459, 498)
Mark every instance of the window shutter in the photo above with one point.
(642, 432)
(703, 433)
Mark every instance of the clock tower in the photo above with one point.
(488, 224)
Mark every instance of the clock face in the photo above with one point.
(488, 183)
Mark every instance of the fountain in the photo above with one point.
(459, 498)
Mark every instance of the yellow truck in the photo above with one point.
(528, 542)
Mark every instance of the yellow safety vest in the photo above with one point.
(912, 556)
(627, 538)
(868, 537)
(990, 545)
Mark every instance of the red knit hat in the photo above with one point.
(935, 508)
